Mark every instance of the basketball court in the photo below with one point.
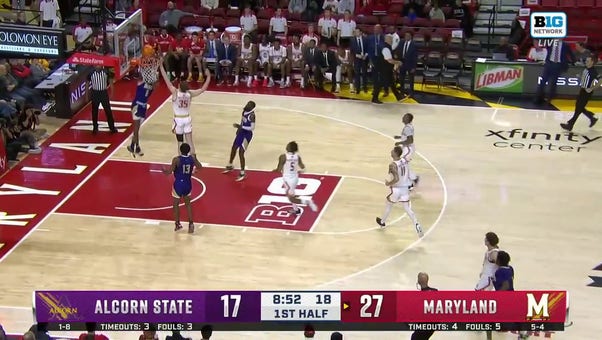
(84, 214)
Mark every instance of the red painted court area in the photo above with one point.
(140, 190)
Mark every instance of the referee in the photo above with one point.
(99, 80)
(585, 93)
(423, 285)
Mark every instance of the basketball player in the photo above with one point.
(264, 57)
(197, 46)
(400, 189)
(407, 141)
(182, 167)
(278, 61)
(244, 134)
(295, 53)
(144, 89)
(181, 100)
(489, 262)
(290, 165)
(246, 61)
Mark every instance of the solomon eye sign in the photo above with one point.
(30, 41)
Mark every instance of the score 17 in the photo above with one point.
(363, 306)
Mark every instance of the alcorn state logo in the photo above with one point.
(540, 141)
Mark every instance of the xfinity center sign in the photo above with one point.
(31, 41)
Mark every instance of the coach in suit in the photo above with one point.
(557, 62)
(376, 42)
(359, 50)
(310, 65)
(408, 53)
(326, 61)
(226, 55)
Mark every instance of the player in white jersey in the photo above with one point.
(489, 266)
(278, 61)
(290, 165)
(399, 183)
(181, 100)
(407, 141)
(246, 61)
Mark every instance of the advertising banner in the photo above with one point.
(31, 41)
(567, 84)
(498, 78)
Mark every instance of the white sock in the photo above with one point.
(256, 77)
(271, 79)
(295, 207)
(288, 79)
(387, 212)
(305, 201)
(236, 77)
(407, 206)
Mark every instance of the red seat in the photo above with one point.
(204, 11)
(264, 14)
(395, 8)
(421, 22)
(549, 3)
(294, 16)
(388, 20)
(567, 3)
(218, 12)
(233, 13)
(437, 23)
(586, 3)
(452, 23)
(232, 22)
(219, 23)
(263, 25)
(447, 11)
(598, 3)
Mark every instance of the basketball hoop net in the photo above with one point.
(149, 69)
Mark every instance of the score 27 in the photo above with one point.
(363, 306)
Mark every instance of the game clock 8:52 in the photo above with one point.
(286, 299)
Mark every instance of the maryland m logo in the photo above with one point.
(538, 310)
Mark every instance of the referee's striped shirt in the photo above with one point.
(588, 77)
(99, 80)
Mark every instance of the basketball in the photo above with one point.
(134, 62)
(148, 51)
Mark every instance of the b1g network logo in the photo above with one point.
(548, 27)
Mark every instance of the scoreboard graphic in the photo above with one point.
(292, 310)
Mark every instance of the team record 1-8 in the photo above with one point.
(289, 310)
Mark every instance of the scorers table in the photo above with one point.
(292, 310)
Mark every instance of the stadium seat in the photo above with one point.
(388, 20)
(233, 13)
(218, 12)
(422, 22)
(232, 22)
(437, 23)
(452, 23)
(598, 3)
(264, 13)
(263, 26)
(452, 69)
(219, 23)
(295, 17)
(395, 9)
(433, 65)
(586, 3)
(549, 3)
(567, 3)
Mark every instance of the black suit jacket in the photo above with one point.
(356, 48)
(410, 59)
(307, 57)
(332, 59)
(221, 52)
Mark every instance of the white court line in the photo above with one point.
(412, 245)
(323, 209)
(79, 185)
(16, 307)
(199, 196)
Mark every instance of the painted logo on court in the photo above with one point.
(596, 280)
(519, 139)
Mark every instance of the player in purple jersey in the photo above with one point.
(139, 107)
(182, 167)
(244, 134)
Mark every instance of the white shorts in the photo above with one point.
(182, 125)
(290, 183)
(399, 194)
(408, 152)
(485, 283)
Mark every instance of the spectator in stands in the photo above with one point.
(557, 62)
(7, 109)
(327, 63)
(327, 26)
(336, 336)
(206, 332)
(359, 50)
(537, 53)
(91, 333)
(436, 13)
(413, 8)
(347, 5)
(310, 58)
(21, 72)
(581, 53)
(226, 55)
(297, 6)
(278, 25)
(132, 46)
(313, 10)
(505, 48)
(332, 5)
(310, 35)
(21, 94)
(170, 18)
(345, 30)
(210, 4)
(123, 5)
(461, 12)
(21, 20)
(50, 12)
(81, 33)
(517, 32)
(248, 22)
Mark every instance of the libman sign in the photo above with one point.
(498, 78)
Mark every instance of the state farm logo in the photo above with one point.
(499, 78)
(87, 61)
(519, 139)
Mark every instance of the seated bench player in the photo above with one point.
(246, 62)
(263, 52)
(295, 53)
(195, 50)
(278, 61)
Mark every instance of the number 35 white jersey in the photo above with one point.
(181, 104)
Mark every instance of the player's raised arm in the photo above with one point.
(281, 161)
(393, 171)
(194, 93)
(172, 168)
(170, 86)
